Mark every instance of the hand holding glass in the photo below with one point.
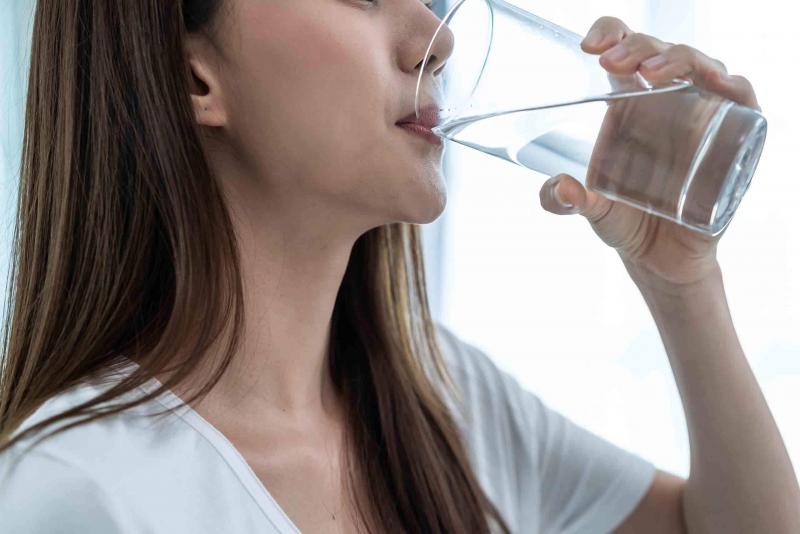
(521, 88)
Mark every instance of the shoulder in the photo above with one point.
(539, 466)
(467, 364)
(95, 453)
(486, 388)
(501, 419)
(502, 424)
(91, 440)
(43, 492)
(72, 481)
(460, 356)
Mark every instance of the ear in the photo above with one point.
(204, 83)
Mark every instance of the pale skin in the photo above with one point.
(741, 478)
(305, 178)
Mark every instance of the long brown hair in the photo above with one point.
(110, 259)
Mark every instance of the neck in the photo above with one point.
(294, 254)
(290, 284)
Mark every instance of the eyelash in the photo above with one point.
(429, 6)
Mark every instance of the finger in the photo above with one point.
(604, 33)
(564, 195)
(561, 199)
(628, 55)
(682, 61)
(735, 87)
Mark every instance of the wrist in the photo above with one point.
(681, 307)
(654, 286)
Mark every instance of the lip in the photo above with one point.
(428, 117)
(422, 125)
(422, 131)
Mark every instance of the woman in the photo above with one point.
(218, 223)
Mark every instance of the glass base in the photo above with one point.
(710, 204)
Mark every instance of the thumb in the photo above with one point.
(563, 195)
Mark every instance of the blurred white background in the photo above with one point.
(15, 23)
(552, 305)
(540, 293)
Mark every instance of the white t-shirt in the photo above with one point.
(178, 474)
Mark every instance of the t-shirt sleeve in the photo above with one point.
(565, 479)
(586, 483)
(41, 493)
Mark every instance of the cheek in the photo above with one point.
(313, 109)
(308, 91)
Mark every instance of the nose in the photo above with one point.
(441, 50)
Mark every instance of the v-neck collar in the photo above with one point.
(229, 454)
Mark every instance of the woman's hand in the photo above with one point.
(656, 251)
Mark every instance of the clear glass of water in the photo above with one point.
(521, 88)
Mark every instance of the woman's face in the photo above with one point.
(312, 91)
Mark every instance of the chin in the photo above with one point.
(426, 210)
(411, 197)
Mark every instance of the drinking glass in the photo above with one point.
(521, 88)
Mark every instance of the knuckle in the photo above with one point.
(638, 37)
(635, 38)
(745, 83)
(610, 22)
(682, 51)
(644, 41)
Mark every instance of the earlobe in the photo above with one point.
(207, 112)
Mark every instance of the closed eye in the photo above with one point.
(427, 3)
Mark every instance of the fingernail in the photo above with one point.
(655, 62)
(617, 53)
(557, 196)
(593, 38)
